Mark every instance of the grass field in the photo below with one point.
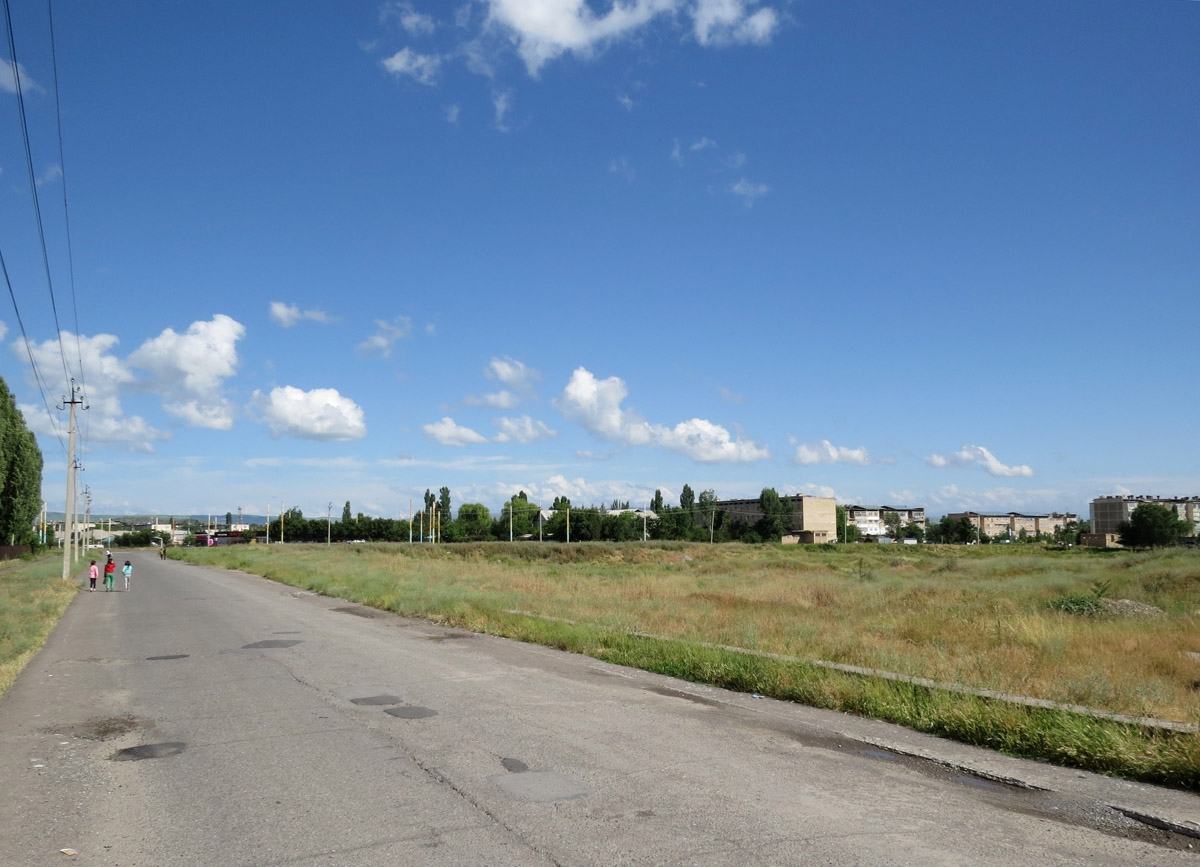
(33, 597)
(978, 616)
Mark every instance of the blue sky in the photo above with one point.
(926, 253)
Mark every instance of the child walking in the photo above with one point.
(110, 569)
(93, 574)
(127, 570)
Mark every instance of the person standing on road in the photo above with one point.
(127, 570)
(110, 569)
(93, 574)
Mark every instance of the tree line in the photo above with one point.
(20, 475)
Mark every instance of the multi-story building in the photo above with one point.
(814, 519)
(994, 524)
(1107, 513)
(873, 520)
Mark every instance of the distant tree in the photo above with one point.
(1152, 526)
(560, 503)
(709, 514)
(523, 512)
(229, 519)
(475, 521)
(656, 505)
(891, 520)
(687, 498)
(913, 530)
(776, 516)
(346, 518)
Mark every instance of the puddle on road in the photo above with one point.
(149, 751)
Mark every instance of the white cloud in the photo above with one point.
(196, 362)
(215, 415)
(703, 144)
(422, 68)
(3, 330)
(513, 373)
(620, 166)
(50, 174)
(980, 456)
(523, 430)
(826, 452)
(676, 152)
(107, 377)
(730, 395)
(625, 101)
(596, 405)
(451, 113)
(287, 315)
(8, 84)
(387, 333)
(749, 191)
(502, 399)
(416, 23)
(721, 22)
(502, 102)
(449, 433)
(320, 414)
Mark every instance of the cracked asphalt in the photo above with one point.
(216, 718)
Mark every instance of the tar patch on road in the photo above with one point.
(168, 656)
(271, 643)
(447, 636)
(377, 700)
(686, 696)
(149, 751)
(363, 611)
(514, 766)
(103, 728)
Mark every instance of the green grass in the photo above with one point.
(978, 616)
(33, 597)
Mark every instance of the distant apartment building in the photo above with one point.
(873, 520)
(814, 519)
(1107, 513)
(994, 524)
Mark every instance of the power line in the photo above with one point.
(37, 208)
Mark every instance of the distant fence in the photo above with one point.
(14, 552)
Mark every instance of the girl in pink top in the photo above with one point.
(93, 574)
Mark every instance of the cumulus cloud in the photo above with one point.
(3, 330)
(451, 113)
(749, 191)
(625, 101)
(108, 376)
(422, 68)
(523, 430)
(596, 405)
(386, 334)
(979, 456)
(450, 433)
(502, 102)
(826, 452)
(703, 144)
(320, 414)
(190, 369)
(547, 29)
(287, 315)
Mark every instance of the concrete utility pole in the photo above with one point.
(87, 515)
(329, 526)
(268, 522)
(70, 513)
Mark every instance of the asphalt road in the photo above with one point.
(216, 718)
